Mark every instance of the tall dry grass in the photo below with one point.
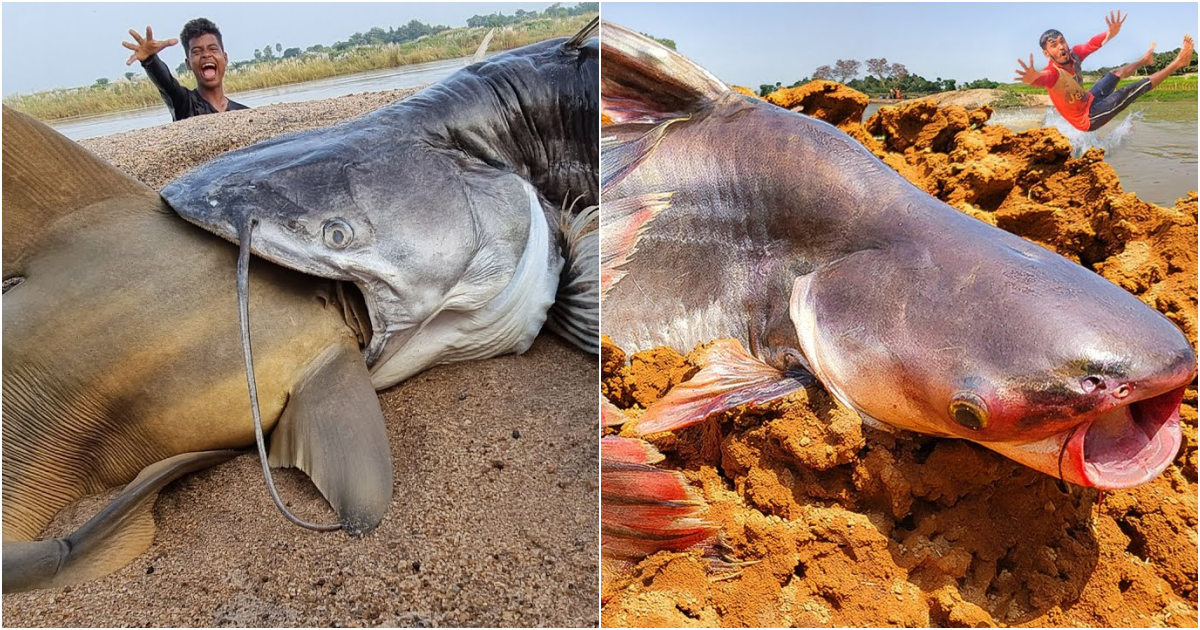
(452, 44)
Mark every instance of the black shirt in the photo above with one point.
(182, 102)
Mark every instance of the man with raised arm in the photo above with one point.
(1090, 110)
(205, 57)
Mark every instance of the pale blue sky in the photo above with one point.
(48, 45)
(754, 43)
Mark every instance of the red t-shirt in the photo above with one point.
(1066, 87)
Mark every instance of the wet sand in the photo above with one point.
(493, 521)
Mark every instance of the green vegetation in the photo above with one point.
(555, 10)
(317, 62)
(1174, 88)
(1161, 60)
(882, 77)
(669, 43)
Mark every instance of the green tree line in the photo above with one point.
(493, 20)
(882, 77)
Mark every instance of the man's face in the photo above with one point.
(1058, 51)
(207, 60)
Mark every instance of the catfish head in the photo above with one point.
(420, 230)
(981, 335)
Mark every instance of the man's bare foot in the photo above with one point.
(1185, 53)
(1147, 58)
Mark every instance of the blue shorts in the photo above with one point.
(1109, 100)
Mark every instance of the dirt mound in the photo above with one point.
(835, 523)
(832, 102)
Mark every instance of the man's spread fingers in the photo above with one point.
(136, 37)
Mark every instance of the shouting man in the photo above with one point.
(206, 59)
(1090, 110)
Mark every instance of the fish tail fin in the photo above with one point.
(587, 32)
(644, 81)
(575, 314)
(644, 509)
(46, 178)
(108, 541)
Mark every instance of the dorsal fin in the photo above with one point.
(584, 34)
(644, 81)
(47, 177)
(481, 52)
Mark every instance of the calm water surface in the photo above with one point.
(376, 81)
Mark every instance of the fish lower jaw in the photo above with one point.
(1130, 445)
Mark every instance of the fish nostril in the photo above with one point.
(1092, 383)
(1122, 391)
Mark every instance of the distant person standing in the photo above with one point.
(1088, 111)
(205, 57)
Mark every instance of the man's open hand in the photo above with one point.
(146, 47)
(1114, 20)
(1027, 73)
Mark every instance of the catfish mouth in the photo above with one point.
(1131, 444)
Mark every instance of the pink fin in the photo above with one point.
(622, 222)
(644, 509)
(618, 159)
(645, 81)
(610, 416)
(730, 378)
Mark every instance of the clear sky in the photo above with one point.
(49, 44)
(755, 43)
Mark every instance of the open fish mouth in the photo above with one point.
(1129, 445)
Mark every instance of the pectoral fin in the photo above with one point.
(730, 377)
(108, 541)
(622, 222)
(333, 429)
(618, 158)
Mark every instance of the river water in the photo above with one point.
(375, 81)
(1151, 146)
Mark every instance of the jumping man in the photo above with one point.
(1088, 111)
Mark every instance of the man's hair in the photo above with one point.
(196, 28)
(1043, 40)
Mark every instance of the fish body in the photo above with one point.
(737, 219)
(122, 365)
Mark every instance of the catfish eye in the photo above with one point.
(969, 410)
(338, 233)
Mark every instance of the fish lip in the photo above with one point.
(1148, 442)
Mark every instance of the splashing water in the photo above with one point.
(1081, 141)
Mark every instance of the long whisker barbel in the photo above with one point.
(1062, 485)
(243, 290)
